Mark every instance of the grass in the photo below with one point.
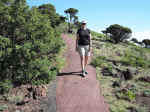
(15, 99)
(99, 61)
(128, 56)
(3, 107)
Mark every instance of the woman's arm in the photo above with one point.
(76, 46)
(90, 41)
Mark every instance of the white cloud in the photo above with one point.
(141, 35)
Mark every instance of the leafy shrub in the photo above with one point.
(99, 61)
(3, 107)
(131, 95)
(146, 42)
(134, 60)
(28, 45)
(146, 93)
(15, 99)
(134, 40)
(128, 95)
(117, 109)
(5, 86)
(50, 11)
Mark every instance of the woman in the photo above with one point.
(84, 45)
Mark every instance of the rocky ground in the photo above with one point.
(28, 98)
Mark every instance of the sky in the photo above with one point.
(100, 14)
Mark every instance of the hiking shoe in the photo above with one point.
(85, 72)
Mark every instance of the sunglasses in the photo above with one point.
(83, 23)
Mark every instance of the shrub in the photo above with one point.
(50, 11)
(134, 60)
(146, 42)
(146, 93)
(131, 95)
(98, 61)
(134, 40)
(5, 86)
(128, 95)
(29, 45)
(3, 107)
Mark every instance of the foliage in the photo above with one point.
(135, 60)
(146, 42)
(128, 95)
(15, 99)
(72, 18)
(134, 40)
(3, 107)
(131, 95)
(99, 35)
(28, 44)
(146, 93)
(50, 11)
(118, 33)
(99, 61)
(5, 85)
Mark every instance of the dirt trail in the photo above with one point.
(73, 92)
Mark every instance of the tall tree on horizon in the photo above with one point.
(118, 33)
(71, 16)
(146, 42)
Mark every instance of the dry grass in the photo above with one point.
(116, 52)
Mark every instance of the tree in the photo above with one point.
(71, 16)
(134, 40)
(146, 42)
(118, 33)
(28, 44)
(50, 11)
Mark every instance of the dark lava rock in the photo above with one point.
(145, 79)
(127, 74)
(106, 72)
(116, 84)
(132, 109)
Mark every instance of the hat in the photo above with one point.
(84, 21)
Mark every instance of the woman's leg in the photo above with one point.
(82, 62)
(87, 55)
(86, 61)
(82, 56)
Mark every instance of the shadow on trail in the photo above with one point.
(70, 73)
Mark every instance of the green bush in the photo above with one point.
(146, 93)
(117, 109)
(28, 45)
(99, 35)
(129, 95)
(135, 60)
(146, 42)
(50, 11)
(5, 86)
(3, 107)
(99, 61)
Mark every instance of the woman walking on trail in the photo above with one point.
(84, 45)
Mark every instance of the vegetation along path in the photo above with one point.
(75, 93)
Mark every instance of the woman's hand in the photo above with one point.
(90, 48)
